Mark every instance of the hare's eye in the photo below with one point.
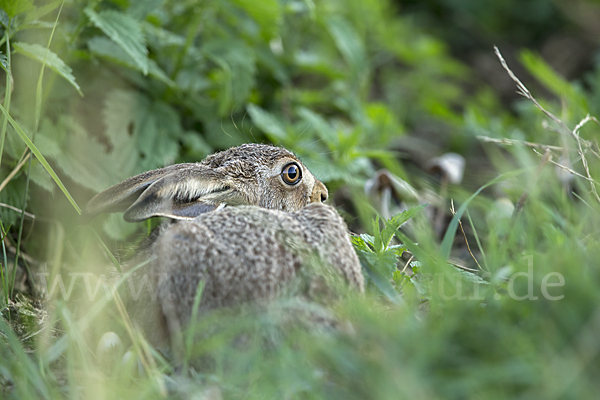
(291, 174)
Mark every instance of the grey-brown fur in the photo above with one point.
(278, 236)
(242, 254)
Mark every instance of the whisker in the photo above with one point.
(304, 130)
(234, 124)
(243, 118)
(223, 129)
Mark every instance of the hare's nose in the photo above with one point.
(319, 193)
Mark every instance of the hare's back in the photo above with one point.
(240, 253)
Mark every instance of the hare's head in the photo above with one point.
(251, 174)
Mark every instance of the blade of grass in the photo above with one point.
(451, 231)
(189, 337)
(30, 370)
(7, 93)
(4, 279)
(38, 113)
(108, 252)
(484, 258)
(40, 157)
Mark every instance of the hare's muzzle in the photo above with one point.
(319, 193)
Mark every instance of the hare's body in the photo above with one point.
(241, 254)
(246, 253)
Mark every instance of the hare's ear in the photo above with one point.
(181, 191)
(184, 195)
(121, 196)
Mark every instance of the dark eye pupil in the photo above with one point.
(292, 173)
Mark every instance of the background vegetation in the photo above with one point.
(370, 94)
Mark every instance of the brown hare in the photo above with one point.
(278, 231)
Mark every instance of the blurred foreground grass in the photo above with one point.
(346, 85)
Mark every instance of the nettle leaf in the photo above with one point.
(319, 125)
(121, 112)
(237, 64)
(349, 44)
(267, 13)
(159, 37)
(4, 62)
(39, 12)
(394, 223)
(76, 154)
(360, 244)
(40, 177)
(159, 125)
(45, 56)
(125, 31)
(384, 262)
(15, 7)
(143, 134)
(108, 49)
(267, 123)
(140, 8)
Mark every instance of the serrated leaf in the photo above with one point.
(266, 12)
(380, 281)
(319, 125)
(125, 31)
(470, 277)
(394, 223)
(40, 177)
(348, 43)
(39, 12)
(359, 244)
(4, 62)
(121, 112)
(106, 48)
(45, 56)
(79, 156)
(237, 64)
(159, 37)
(267, 123)
(140, 8)
(368, 238)
(16, 7)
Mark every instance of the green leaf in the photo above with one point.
(349, 44)
(4, 62)
(319, 125)
(267, 123)
(16, 7)
(266, 12)
(360, 244)
(45, 56)
(237, 62)
(106, 48)
(41, 178)
(394, 223)
(39, 12)
(380, 281)
(125, 31)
